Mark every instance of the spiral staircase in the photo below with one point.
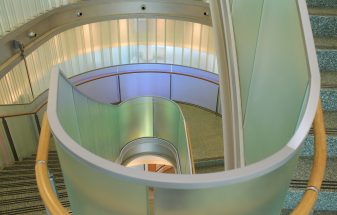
(19, 192)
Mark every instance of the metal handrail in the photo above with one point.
(318, 168)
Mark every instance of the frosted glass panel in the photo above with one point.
(246, 29)
(103, 90)
(243, 198)
(276, 73)
(105, 129)
(98, 127)
(14, 86)
(179, 41)
(187, 44)
(109, 43)
(24, 134)
(166, 120)
(194, 91)
(135, 85)
(136, 120)
(93, 191)
(66, 110)
(196, 40)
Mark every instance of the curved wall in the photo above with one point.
(110, 43)
(108, 85)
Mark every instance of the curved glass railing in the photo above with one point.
(278, 88)
(21, 123)
(140, 126)
(151, 123)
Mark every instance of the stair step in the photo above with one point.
(326, 59)
(288, 212)
(24, 183)
(323, 25)
(322, 3)
(24, 208)
(28, 167)
(25, 199)
(308, 147)
(326, 200)
(32, 163)
(329, 99)
(322, 11)
(304, 169)
(326, 43)
(25, 190)
(25, 177)
(4, 173)
(329, 80)
(27, 194)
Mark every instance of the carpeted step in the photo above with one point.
(327, 55)
(322, 3)
(29, 166)
(18, 190)
(32, 192)
(323, 22)
(288, 212)
(328, 195)
(33, 207)
(25, 190)
(19, 178)
(24, 198)
(329, 80)
(330, 119)
(326, 43)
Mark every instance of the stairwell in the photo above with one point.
(18, 190)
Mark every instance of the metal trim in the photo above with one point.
(37, 122)
(10, 139)
(314, 82)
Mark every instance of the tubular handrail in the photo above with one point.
(47, 194)
(318, 169)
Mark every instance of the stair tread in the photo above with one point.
(62, 192)
(25, 207)
(322, 11)
(303, 170)
(329, 80)
(325, 42)
(27, 198)
(330, 121)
